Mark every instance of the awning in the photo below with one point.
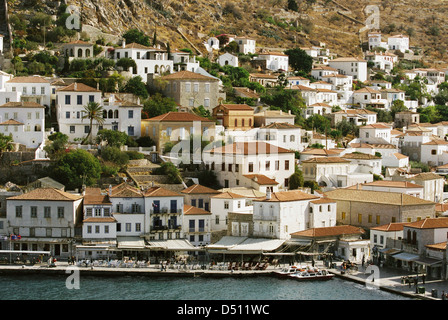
(130, 243)
(428, 262)
(172, 245)
(389, 251)
(25, 252)
(244, 245)
(406, 256)
(299, 242)
(96, 248)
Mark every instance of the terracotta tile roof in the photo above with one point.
(247, 148)
(236, 107)
(395, 226)
(80, 42)
(375, 126)
(246, 92)
(326, 160)
(383, 146)
(99, 219)
(161, 192)
(272, 53)
(190, 210)
(348, 59)
(28, 79)
(380, 197)
(393, 184)
(280, 125)
(442, 207)
(325, 68)
(124, 190)
(187, 75)
(329, 231)
(261, 179)
(198, 189)
(300, 87)
(94, 196)
(47, 194)
(429, 223)
(360, 156)
(435, 142)
(228, 195)
(437, 246)
(321, 104)
(179, 117)
(292, 195)
(426, 176)
(274, 113)
(78, 87)
(320, 152)
(367, 90)
(263, 75)
(12, 122)
(323, 200)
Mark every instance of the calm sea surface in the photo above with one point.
(53, 287)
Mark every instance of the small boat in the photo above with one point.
(312, 275)
(285, 272)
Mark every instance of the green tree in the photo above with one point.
(5, 143)
(296, 179)
(115, 155)
(135, 35)
(136, 86)
(397, 106)
(292, 5)
(158, 104)
(170, 170)
(113, 138)
(319, 123)
(285, 100)
(58, 145)
(126, 63)
(209, 179)
(76, 168)
(94, 113)
(299, 60)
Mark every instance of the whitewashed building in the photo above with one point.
(275, 61)
(32, 88)
(197, 225)
(25, 121)
(46, 219)
(228, 59)
(222, 204)
(352, 66)
(246, 45)
(398, 42)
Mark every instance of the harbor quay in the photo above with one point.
(384, 278)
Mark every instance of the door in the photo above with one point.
(57, 249)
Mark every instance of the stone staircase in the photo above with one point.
(5, 29)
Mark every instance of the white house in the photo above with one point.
(382, 60)
(406, 187)
(375, 133)
(120, 115)
(352, 66)
(212, 43)
(45, 218)
(375, 41)
(379, 235)
(4, 77)
(149, 60)
(284, 135)
(77, 49)
(318, 72)
(317, 108)
(297, 80)
(368, 97)
(222, 204)
(197, 225)
(25, 121)
(390, 95)
(1, 44)
(228, 59)
(33, 89)
(357, 116)
(398, 42)
(261, 163)
(275, 61)
(434, 152)
(182, 60)
(246, 45)
(281, 213)
(70, 102)
(363, 163)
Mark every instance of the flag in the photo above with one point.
(16, 237)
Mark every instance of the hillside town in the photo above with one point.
(245, 154)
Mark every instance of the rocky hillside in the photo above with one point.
(187, 23)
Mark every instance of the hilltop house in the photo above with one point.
(77, 50)
(355, 67)
(148, 60)
(274, 61)
(228, 59)
(183, 61)
(32, 88)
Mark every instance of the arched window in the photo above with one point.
(236, 122)
(414, 237)
(250, 122)
(104, 114)
(111, 114)
(87, 53)
(156, 69)
(71, 52)
(242, 122)
(409, 236)
(79, 53)
(116, 114)
(292, 138)
(37, 127)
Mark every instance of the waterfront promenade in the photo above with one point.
(386, 279)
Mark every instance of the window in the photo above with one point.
(67, 99)
(201, 203)
(91, 98)
(79, 99)
(237, 167)
(187, 87)
(207, 87)
(47, 212)
(97, 229)
(106, 229)
(33, 212)
(191, 102)
(191, 225)
(359, 218)
(433, 152)
(343, 215)
(251, 167)
(268, 165)
(18, 211)
(193, 202)
(118, 227)
(67, 115)
(138, 227)
(277, 165)
(206, 102)
(60, 212)
(128, 227)
(370, 218)
(72, 129)
(286, 164)
(378, 219)
(130, 114)
(88, 212)
(89, 229)
(86, 129)
(107, 212)
(196, 87)
(217, 222)
(131, 131)
(226, 204)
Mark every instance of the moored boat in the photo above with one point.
(285, 272)
(312, 275)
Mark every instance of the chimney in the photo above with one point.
(268, 193)
(123, 43)
(110, 190)
(76, 86)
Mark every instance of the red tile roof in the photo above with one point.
(329, 231)
(247, 148)
(47, 194)
(292, 195)
(79, 87)
(261, 179)
(429, 223)
(190, 210)
(187, 75)
(179, 117)
(198, 189)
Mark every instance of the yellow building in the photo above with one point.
(175, 126)
(234, 116)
